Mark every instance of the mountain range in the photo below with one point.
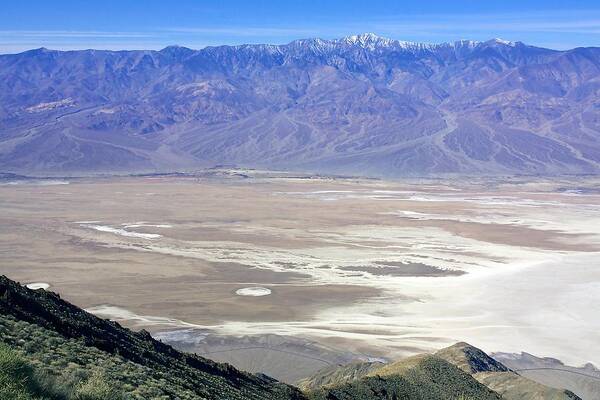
(362, 104)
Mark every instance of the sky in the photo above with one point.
(152, 24)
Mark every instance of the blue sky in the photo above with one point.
(150, 24)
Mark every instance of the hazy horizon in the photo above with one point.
(154, 25)
(294, 40)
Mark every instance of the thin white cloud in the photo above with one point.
(591, 26)
(72, 34)
(566, 21)
(242, 31)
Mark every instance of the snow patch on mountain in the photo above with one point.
(50, 105)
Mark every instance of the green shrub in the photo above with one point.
(17, 378)
(96, 388)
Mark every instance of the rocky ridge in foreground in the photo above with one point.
(51, 349)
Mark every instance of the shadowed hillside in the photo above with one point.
(63, 339)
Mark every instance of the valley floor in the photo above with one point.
(323, 270)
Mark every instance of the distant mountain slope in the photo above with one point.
(63, 339)
(357, 105)
(584, 381)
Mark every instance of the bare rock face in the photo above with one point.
(471, 359)
(361, 104)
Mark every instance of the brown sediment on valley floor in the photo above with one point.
(391, 268)
(303, 247)
(513, 235)
(236, 233)
(355, 330)
(199, 294)
(209, 304)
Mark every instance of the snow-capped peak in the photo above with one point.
(363, 38)
(504, 42)
(372, 41)
(464, 43)
(367, 40)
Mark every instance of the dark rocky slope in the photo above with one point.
(181, 372)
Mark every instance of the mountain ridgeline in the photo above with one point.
(357, 105)
(53, 350)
